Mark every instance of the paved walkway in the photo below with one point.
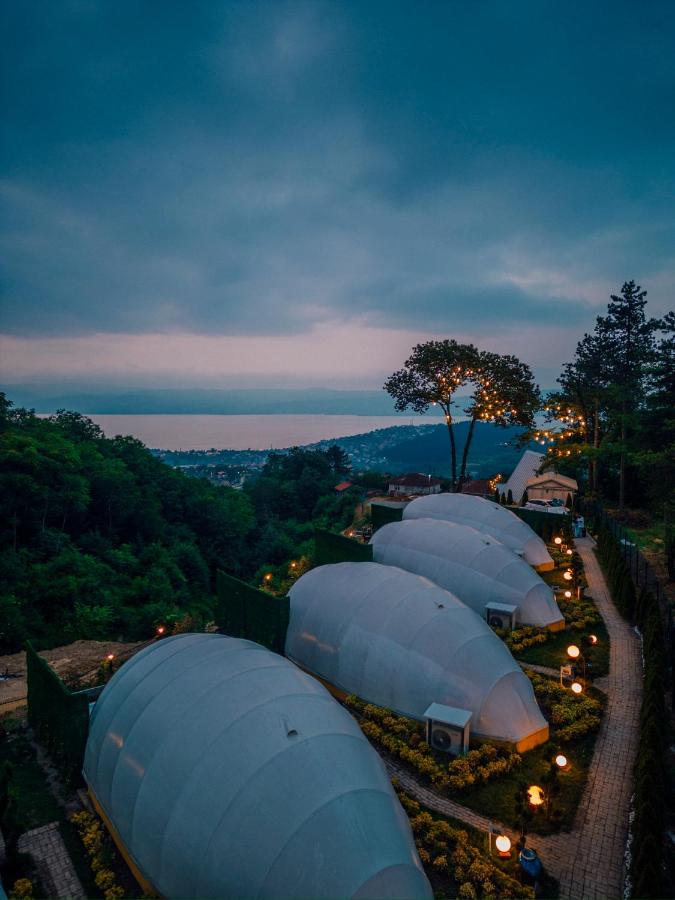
(51, 859)
(588, 861)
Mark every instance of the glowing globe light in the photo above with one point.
(567, 595)
(592, 638)
(569, 552)
(110, 657)
(503, 844)
(535, 795)
(576, 687)
(160, 630)
(573, 651)
(567, 576)
(561, 760)
(269, 576)
(557, 541)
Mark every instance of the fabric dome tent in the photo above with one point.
(470, 564)
(485, 516)
(225, 771)
(399, 641)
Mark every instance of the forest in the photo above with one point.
(99, 539)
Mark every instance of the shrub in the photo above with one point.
(22, 889)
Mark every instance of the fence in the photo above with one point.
(244, 611)
(336, 548)
(59, 717)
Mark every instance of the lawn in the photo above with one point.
(554, 652)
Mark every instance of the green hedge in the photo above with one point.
(546, 525)
(59, 717)
(382, 514)
(651, 777)
(336, 548)
(244, 611)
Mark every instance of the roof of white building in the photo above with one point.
(527, 468)
(474, 566)
(399, 641)
(228, 772)
(485, 516)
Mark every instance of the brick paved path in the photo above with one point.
(588, 861)
(51, 859)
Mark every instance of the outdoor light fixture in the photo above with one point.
(269, 576)
(557, 541)
(110, 657)
(573, 651)
(569, 552)
(160, 630)
(567, 595)
(567, 576)
(561, 760)
(535, 795)
(576, 687)
(592, 638)
(503, 845)
(293, 564)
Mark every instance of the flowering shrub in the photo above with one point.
(448, 853)
(22, 889)
(404, 739)
(526, 636)
(579, 614)
(572, 715)
(100, 854)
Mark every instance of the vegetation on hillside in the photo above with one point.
(99, 539)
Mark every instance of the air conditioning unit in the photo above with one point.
(501, 615)
(448, 728)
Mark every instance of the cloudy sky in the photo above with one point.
(246, 193)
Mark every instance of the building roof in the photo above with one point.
(228, 772)
(527, 467)
(343, 486)
(414, 479)
(477, 486)
(474, 566)
(486, 516)
(553, 478)
(399, 641)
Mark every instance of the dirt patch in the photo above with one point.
(77, 661)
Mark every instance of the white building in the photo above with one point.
(487, 517)
(399, 641)
(474, 566)
(225, 771)
(414, 483)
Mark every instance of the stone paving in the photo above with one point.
(588, 861)
(51, 859)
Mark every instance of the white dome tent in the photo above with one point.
(485, 516)
(399, 641)
(225, 771)
(474, 566)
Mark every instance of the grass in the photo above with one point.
(497, 799)
(554, 652)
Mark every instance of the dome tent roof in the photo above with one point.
(228, 772)
(397, 640)
(485, 516)
(474, 566)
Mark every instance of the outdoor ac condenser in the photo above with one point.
(448, 728)
(501, 615)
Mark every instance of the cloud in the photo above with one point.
(287, 169)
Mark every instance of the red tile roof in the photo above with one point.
(343, 486)
(414, 479)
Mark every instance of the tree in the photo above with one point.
(503, 389)
(432, 375)
(627, 338)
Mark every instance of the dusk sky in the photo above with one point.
(244, 193)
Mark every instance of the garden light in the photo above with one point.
(592, 638)
(503, 845)
(567, 595)
(561, 760)
(557, 541)
(110, 657)
(269, 576)
(573, 651)
(576, 687)
(567, 576)
(535, 795)
(160, 630)
(569, 552)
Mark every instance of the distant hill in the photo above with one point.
(244, 401)
(492, 450)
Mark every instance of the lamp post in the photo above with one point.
(575, 655)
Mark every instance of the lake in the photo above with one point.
(258, 432)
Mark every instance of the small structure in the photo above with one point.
(501, 615)
(528, 466)
(342, 487)
(448, 728)
(414, 484)
(478, 487)
(551, 486)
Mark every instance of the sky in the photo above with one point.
(246, 193)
